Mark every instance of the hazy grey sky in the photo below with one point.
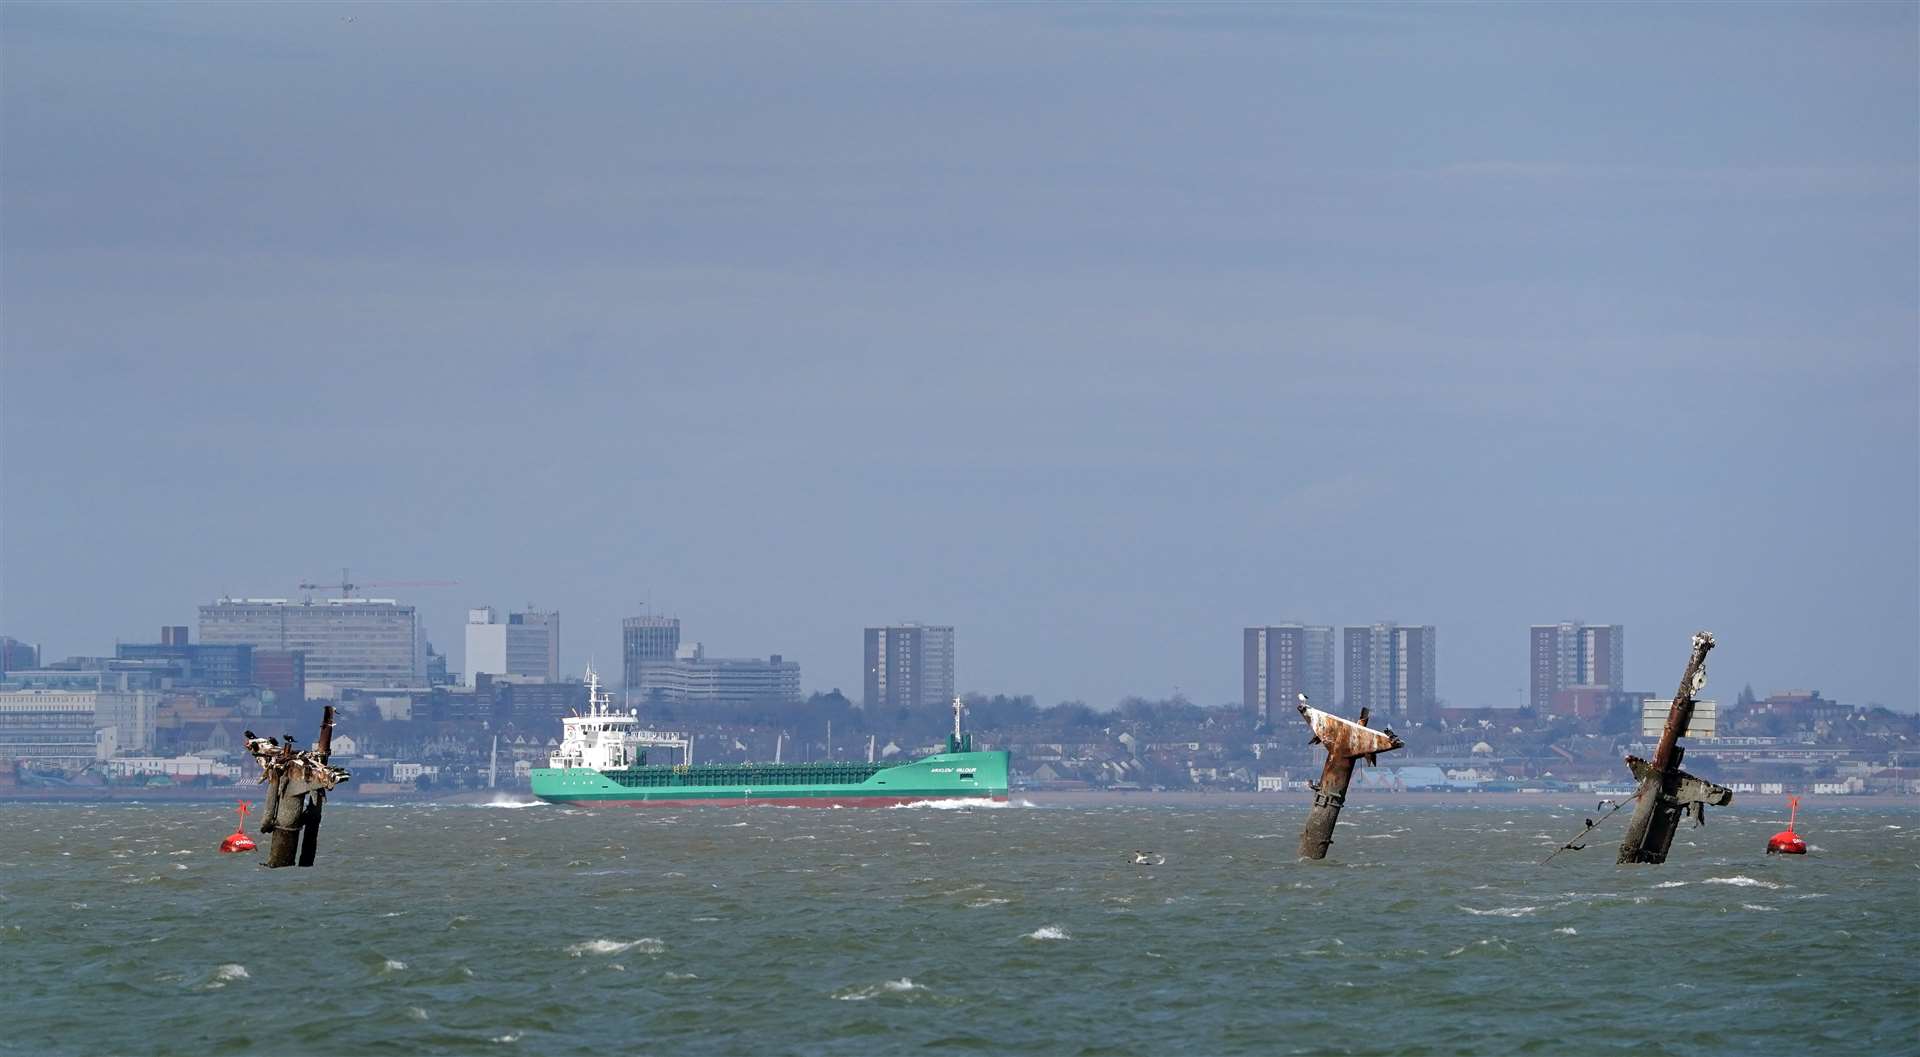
(1098, 332)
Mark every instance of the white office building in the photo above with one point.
(526, 644)
(348, 642)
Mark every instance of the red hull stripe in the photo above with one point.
(774, 801)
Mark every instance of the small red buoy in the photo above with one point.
(1787, 842)
(238, 839)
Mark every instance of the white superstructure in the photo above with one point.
(605, 740)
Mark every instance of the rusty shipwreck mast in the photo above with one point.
(1667, 792)
(1346, 743)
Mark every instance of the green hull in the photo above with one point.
(942, 776)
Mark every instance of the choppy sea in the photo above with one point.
(1025, 929)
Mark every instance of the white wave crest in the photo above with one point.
(1740, 880)
(1673, 884)
(393, 965)
(958, 804)
(1048, 932)
(901, 986)
(990, 901)
(1502, 912)
(1756, 906)
(1566, 932)
(644, 945)
(224, 975)
(512, 803)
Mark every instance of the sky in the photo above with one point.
(1098, 332)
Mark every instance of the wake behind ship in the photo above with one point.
(602, 760)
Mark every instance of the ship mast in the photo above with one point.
(959, 706)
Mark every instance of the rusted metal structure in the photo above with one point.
(1346, 742)
(297, 782)
(1666, 791)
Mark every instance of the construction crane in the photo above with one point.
(347, 587)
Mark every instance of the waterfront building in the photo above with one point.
(539, 706)
(1280, 661)
(282, 673)
(15, 654)
(56, 726)
(436, 667)
(63, 724)
(1390, 669)
(909, 666)
(693, 678)
(227, 666)
(1572, 654)
(348, 642)
(75, 679)
(533, 644)
(527, 644)
(131, 714)
(647, 640)
(486, 645)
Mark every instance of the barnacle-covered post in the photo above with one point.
(297, 783)
(1666, 791)
(1345, 742)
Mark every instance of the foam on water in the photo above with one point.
(977, 803)
(1048, 932)
(1741, 881)
(513, 803)
(644, 945)
(224, 975)
(901, 986)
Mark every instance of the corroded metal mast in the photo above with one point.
(1346, 742)
(297, 784)
(1666, 791)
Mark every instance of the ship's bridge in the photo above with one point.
(604, 740)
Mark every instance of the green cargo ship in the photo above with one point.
(602, 760)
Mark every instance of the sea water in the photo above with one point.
(550, 930)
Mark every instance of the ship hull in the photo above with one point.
(956, 776)
(738, 800)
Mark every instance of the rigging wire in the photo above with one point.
(1592, 824)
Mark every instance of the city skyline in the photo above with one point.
(656, 638)
(950, 311)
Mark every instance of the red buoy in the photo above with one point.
(238, 839)
(1787, 842)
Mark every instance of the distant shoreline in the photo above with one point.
(1038, 798)
(1365, 798)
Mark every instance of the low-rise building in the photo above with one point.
(52, 725)
(693, 678)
